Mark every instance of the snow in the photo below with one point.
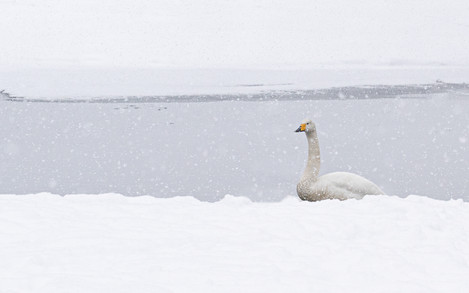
(98, 82)
(108, 242)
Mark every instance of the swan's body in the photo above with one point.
(337, 185)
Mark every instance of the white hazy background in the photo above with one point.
(231, 34)
(90, 242)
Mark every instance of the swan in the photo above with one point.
(336, 185)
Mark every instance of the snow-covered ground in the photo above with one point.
(112, 243)
(99, 82)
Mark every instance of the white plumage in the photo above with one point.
(337, 185)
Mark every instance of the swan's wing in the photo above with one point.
(349, 185)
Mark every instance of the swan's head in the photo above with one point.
(306, 126)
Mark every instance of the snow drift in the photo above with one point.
(112, 243)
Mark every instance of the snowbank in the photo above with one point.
(112, 243)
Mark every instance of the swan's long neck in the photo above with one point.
(314, 159)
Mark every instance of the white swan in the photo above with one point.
(337, 185)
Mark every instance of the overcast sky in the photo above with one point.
(231, 34)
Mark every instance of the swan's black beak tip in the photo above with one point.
(301, 128)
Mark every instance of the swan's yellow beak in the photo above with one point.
(301, 128)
